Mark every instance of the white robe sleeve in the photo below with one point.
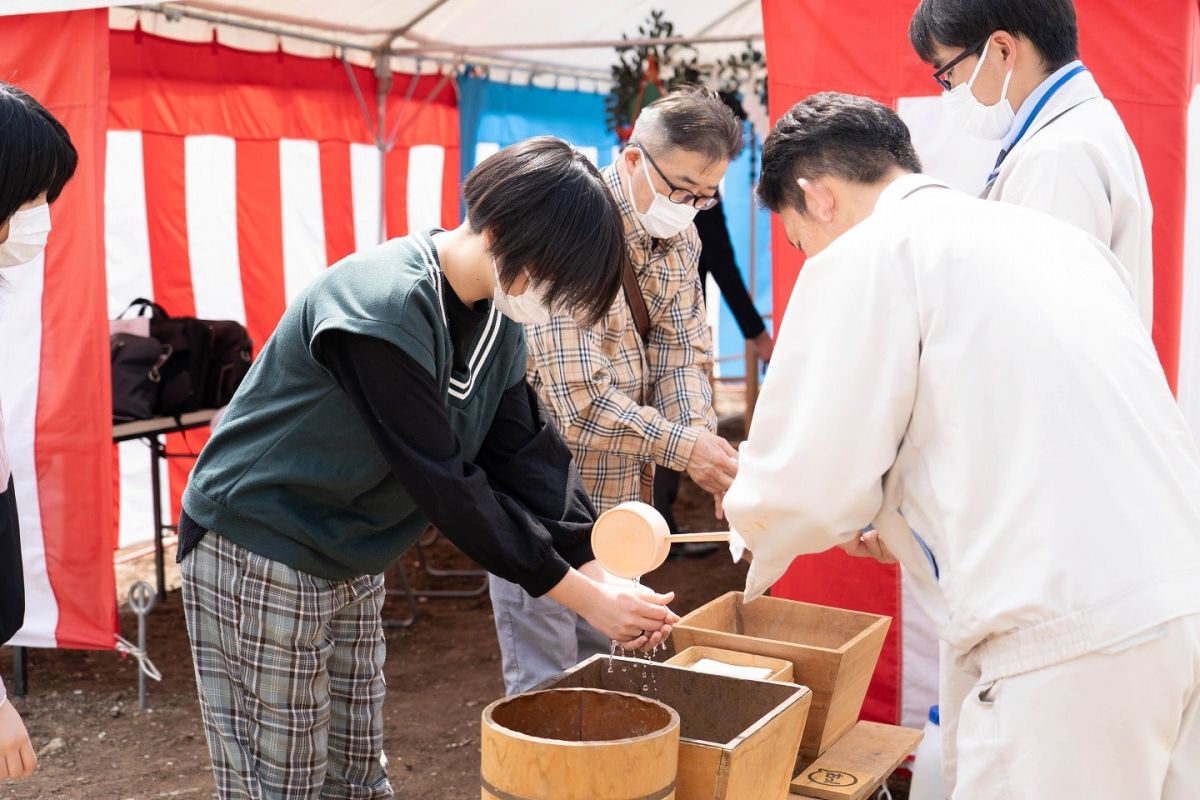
(835, 405)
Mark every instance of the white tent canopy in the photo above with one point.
(532, 38)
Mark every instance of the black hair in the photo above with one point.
(695, 119)
(550, 214)
(36, 154)
(842, 135)
(1049, 24)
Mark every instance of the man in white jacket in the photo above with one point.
(1011, 72)
(977, 372)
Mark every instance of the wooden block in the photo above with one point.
(781, 668)
(754, 758)
(738, 737)
(833, 652)
(858, 763)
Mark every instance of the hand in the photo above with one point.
(764, 345)
(16, 752)
(637, 618)
(713, 464)
(648, 639)
(719, 505)
(869, 545)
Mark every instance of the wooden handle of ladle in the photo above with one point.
(715, 536)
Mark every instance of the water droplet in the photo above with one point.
(645, 688)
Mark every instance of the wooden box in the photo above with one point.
(833, 652)
(737, 737)
(781, 668)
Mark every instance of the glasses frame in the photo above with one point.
(700, 202)
(970, 51)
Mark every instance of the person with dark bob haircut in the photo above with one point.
(392, 396)
(36, 161)
(1010, 71)
(631, 391)
(966, 387)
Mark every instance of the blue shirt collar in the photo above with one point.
(1031, 102)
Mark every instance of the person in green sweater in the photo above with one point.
(392, 396)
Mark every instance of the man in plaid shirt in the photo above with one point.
(624, 404)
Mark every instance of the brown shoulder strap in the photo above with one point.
(637, 303)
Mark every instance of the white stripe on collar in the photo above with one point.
(903, 186)
(491, 328)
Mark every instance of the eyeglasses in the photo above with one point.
(939, 76)
(701, 202)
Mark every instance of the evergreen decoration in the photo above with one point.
(643, 73)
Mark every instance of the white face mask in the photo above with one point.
(663, 219)
(985, 122)
(27, 233)
(528, 308)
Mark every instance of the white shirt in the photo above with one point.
(988, 361)
(1077, 163)
(1026, 110)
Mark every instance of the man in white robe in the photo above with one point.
(973, 380)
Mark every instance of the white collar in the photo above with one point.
(904, 186)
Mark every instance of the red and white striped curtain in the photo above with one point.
(235, 178)
(54, 388)
(214, 181)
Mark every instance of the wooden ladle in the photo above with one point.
(632, 539)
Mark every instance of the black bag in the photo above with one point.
(209, 359)
(137, 362)
(232, 352)
(186, 368)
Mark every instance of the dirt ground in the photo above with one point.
(82, 710)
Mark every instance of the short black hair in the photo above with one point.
(843, 135)
(695, 119)
(550, 214)
(1049, 24)
(36, 154)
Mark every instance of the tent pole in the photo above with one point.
(175, 13)
(751, 352)
(433, 93)
(431, 46)
(383, 86)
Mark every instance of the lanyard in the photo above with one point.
(1032, 116)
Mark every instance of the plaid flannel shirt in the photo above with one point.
(623, 407)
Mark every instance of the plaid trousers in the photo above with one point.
(289, 668)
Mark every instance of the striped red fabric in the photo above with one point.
(54, 377)
(232, 179)
(338, 203)
(168, 233)
(397, 208)
(290, 137)
(260, 236)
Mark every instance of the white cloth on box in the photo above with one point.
(978, 373)
(713, 666)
